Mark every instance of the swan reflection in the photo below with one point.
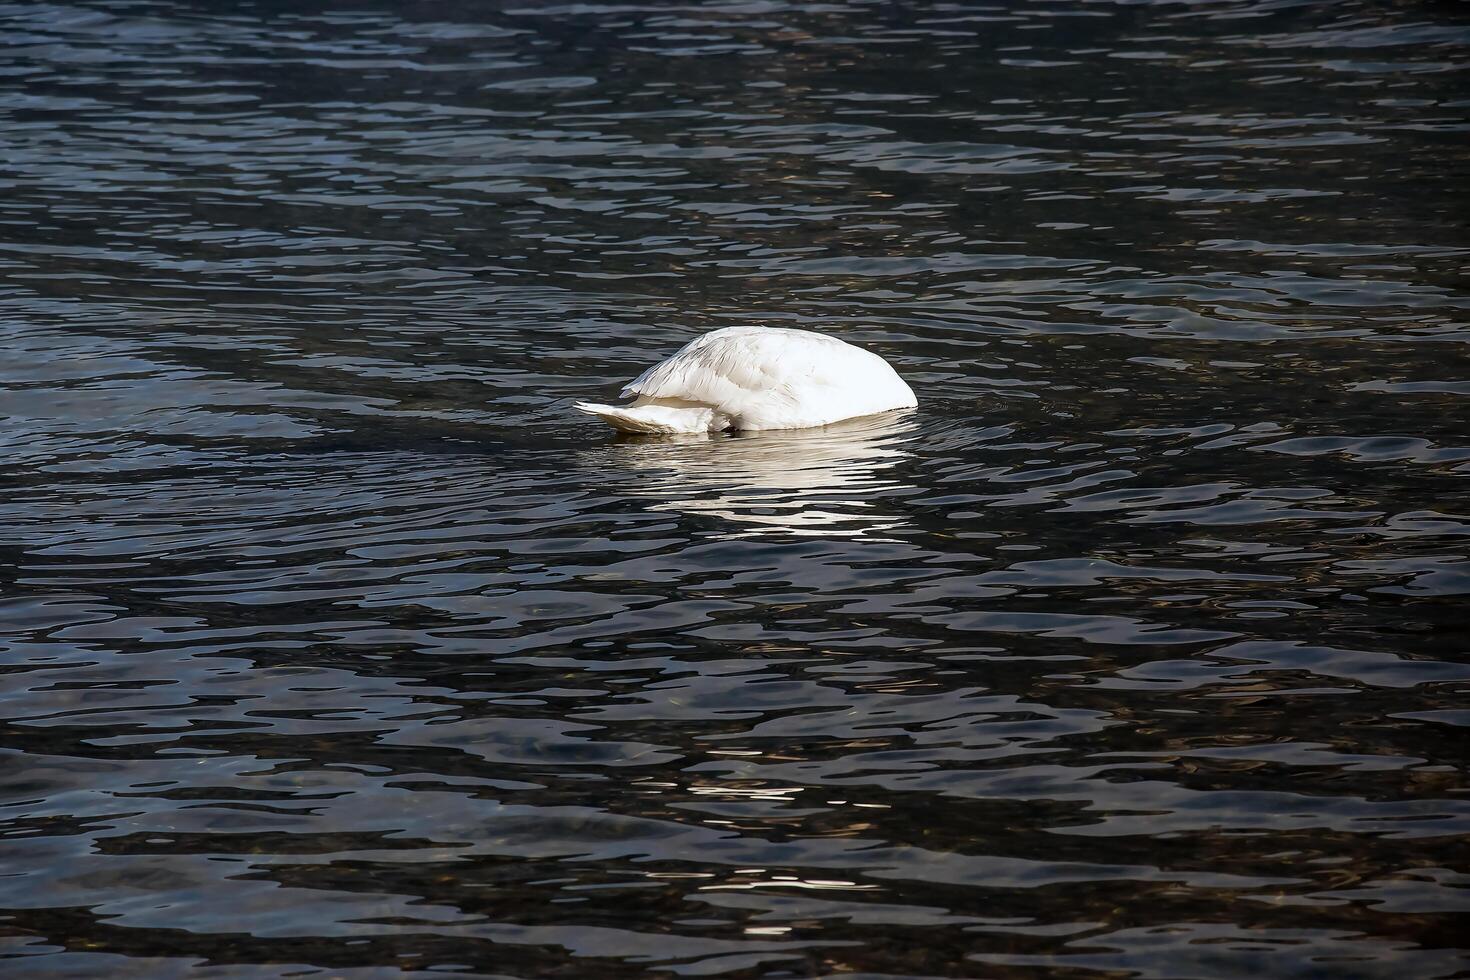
(822, 481)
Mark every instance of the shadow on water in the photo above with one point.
(334, 643)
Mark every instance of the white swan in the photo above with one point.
(757, 378)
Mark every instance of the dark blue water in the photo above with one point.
(336, 644)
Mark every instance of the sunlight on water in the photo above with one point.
(337, 644)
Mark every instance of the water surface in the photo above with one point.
(336, 644)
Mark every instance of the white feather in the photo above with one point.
(757, 378)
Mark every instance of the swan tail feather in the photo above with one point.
(649, 419)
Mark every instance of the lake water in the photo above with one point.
(336, 644)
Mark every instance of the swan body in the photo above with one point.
(757, 378)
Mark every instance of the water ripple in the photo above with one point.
(334, 643)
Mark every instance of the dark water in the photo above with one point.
(336, 645)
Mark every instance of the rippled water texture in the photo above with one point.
(337, 644)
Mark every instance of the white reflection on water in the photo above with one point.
(825, 481)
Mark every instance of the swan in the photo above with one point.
(756, 378)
